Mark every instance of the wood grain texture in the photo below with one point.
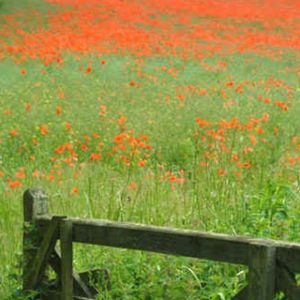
(163, 240)
(262, 268)
(66, 259)
(80, 288)
(36, 272)
(151, 238)
(35, 203)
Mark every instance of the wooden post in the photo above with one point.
(66, 259)
(262, 271)
(35, 203)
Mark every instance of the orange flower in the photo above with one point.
(235, 157)
(202, 123)
(68, 126)
(141, 163)
(20, 174)
(44, 129)
(2, 174)
(95, 156)
(28, 106)
(23, 72)
(253, 139)
(103, 111)
(34, 141)
(60, 149)
(14, 184)
(122, 120)
(132, 186)
(203, 164)
(88, 70)
(265, 117)
(36, 173)
(246, 165)
(119, 138)
(51, 177)
(13, 132)
(58, 110)
(221, 172)
(74, 190)
(83, 147)
(95, 135)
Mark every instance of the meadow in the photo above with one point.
(172, 113)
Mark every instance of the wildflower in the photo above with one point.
(83, 147)
(74, 190)
(235, 157)
(221, 172)
(88, 70)
(28, 106)
(95, 156)
(95, 135)
(246, 165)
(20, 174)
(58, 110)
(265, 117)
(60, 149)
(68, 126)
(51, 177)
(13, 132)
(43, 129)
(202, 123)
(36, 173)
(132, 186)
(141, 163)
(122, 120)
(253, 139)
(14, 184)
(203, 164)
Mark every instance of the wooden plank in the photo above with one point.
(166, 240)
(35, 203)
(289, 255)
(41, 259)
(262, 267)
(286, 283)
(79, 286)
(66, 259)
(217, 247)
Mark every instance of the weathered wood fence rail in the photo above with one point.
(272, 264)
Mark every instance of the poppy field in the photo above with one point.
(166, 112)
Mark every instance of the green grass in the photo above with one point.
(262, 202)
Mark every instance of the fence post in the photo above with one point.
(35, 203)
(262, 270)
(66, 259)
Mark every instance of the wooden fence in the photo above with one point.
(272, 264)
